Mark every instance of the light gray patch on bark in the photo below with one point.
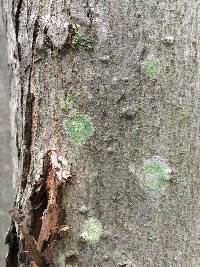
(57, 28)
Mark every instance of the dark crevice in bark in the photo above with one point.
(35, 35)
(22, 98)
(29, 116)
(17, 22)
(39, 203)
(12, 241)
(18, 147)
(68, 43)
(89, 12)
(16, 17)
(47, 41)
(27, 138)
(72, 260)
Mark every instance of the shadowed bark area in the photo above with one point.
(105, 115)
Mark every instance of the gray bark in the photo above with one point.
(105, 127)
(6, 198)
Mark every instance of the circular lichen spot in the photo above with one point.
(156, 173)
(79, 128)
(152, 67)
(92, 231)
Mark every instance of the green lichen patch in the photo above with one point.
(67, 101)
(151, 236)
(92, 231)
(154, 167)
(43, 3)
(156, 173)
(79, 128)
(79, 41)
(152, 67)
(183, 114)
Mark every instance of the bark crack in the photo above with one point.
(12, 241)
(28, 125)
(27, 138)
(17, 25)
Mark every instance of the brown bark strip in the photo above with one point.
(46, 218)
(30, 242)
(40, 237)
(51, 216)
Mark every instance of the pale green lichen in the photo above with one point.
(183, 114)
(43, 3)
(68, 265)
(92, 231)
(79, 41)
(67, 101)
(79, 128)
(152, 236)
(152, 67)
(156, 173)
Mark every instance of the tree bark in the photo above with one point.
(105, 132)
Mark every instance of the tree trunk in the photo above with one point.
(105, 132)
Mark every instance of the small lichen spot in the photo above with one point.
(151, 236)
(79, 128)
(152, 67)
(79, 41)
(156, 173)
(92, 231)
(43, 3)
(183, 114)
(67, 101)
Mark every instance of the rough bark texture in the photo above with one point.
(105, 127)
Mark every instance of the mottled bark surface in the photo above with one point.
(105, 127)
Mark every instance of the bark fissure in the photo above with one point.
(30, 242)
(12, 241)
(17, 25)
(28, 126)
(43, 225)
(27, 138)
(89, 12)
